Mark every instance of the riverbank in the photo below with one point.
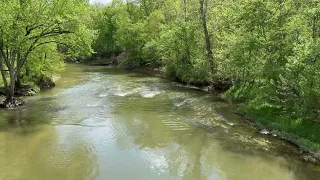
(28, 89)
(302, 133)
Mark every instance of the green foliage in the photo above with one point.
(104, 23)
(297, 130)
(268, 49)
(276, 53)
(36, 35)
(44, 62)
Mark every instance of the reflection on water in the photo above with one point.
(101, 123)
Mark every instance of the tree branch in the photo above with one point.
(4, 55)
(29, 29)
(50, 34)
(55, 28)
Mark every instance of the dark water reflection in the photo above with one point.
(102, 123)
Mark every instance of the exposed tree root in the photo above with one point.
(11, 103)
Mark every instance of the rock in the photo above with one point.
(27, 90)
(274, 133)
(317, 156)
(46, 82)
(264, 132)
(310, 158)
(11, 104)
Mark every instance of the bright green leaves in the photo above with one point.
(269, 49)
(274, 49)
(45, 61)
(33, 29)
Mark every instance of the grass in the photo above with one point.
(304, 133)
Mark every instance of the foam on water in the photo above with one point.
(149, 93)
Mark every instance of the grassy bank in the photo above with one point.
(303, 133)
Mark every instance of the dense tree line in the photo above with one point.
(268, 49)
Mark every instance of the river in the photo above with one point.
(103, 123)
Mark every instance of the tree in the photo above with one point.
(203, 13)
(27, 25)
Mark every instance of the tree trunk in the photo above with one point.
(213, 65)
(11, 87)
(9, 99)
(4, 79)
(18, 80)
(3, 74)
(185, 10)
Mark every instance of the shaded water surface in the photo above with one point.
(102, 123)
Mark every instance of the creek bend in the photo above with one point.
(104, 123)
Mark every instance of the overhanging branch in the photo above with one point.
(50, 34)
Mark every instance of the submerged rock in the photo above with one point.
(264, 132)
(274, 133)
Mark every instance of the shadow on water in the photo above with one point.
(25, 117)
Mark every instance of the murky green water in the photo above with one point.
(101, 123)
